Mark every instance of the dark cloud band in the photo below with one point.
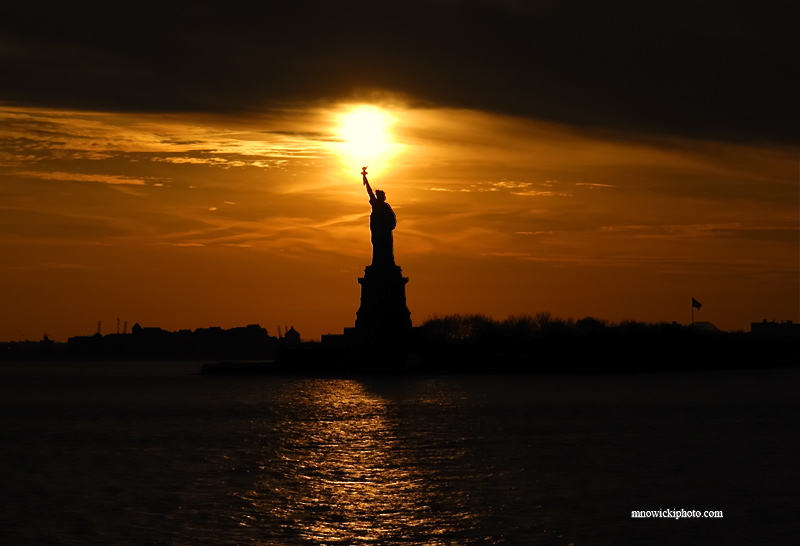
(714, 69)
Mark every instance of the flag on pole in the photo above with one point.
(696, 304)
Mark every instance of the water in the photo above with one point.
(152, 454)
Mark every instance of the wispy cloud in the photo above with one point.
(82, 177)
(540, 193)
(673, 230)
(510, 186)
(595, 185)
(36, 134)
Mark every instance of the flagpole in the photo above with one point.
(695, 304)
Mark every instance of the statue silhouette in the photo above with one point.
(382, 222)
(383, 316)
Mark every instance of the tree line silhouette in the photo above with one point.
(544, 343)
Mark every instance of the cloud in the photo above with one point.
(451, 190)
(80, 177)
(675, 229)
(727, 230)
(223, 162)
(705, 69)
(537, 193)
(507, 254)
(28, 134)
(509, 186)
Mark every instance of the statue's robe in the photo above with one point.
(382, 222)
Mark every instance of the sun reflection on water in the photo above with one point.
(342, 475)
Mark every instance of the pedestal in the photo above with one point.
(383, 313)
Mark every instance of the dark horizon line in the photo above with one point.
(432, 317)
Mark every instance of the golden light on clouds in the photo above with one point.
(365, 137)
(496, 214)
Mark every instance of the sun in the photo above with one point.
(365, 136)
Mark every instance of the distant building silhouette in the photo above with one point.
(703, 327)
(775, 331)
(291, 336)
(248, 342)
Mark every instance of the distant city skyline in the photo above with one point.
(612, 164)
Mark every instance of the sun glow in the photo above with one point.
(365, 137)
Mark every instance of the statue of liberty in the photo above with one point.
(383, 315)
(382, 222)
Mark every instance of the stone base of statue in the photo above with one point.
(383, 314)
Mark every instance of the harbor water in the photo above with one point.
(155, 454)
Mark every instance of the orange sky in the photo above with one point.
(187, 221)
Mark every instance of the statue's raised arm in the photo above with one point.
(366, 183)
